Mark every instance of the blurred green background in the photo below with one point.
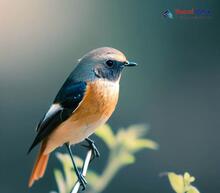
(175, 88)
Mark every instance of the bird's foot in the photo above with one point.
(94, 149)
(91, 145)
(82, 181)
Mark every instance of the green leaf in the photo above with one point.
(188, 179)
(131, 139)
(139, 130)
(176, 182)
(138, 144)
(60, 181)
(126, 158)
(92, 178)
(147, 143)
(193, 189)
(106, 134)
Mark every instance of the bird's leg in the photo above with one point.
(79, 175)
(92, 146)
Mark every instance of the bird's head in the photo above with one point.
(106, 63)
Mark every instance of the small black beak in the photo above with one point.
(130, 64)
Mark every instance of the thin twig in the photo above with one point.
(84, 171)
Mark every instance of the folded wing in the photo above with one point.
(66, 102)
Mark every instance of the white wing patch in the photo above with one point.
(52, 110)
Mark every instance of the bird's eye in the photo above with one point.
(109, 63)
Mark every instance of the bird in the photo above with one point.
(85, 101)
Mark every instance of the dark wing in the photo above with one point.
(67, 100)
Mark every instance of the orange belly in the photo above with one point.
(95, 109)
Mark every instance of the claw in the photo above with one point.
(91, 145)
(82, 181)
(95, 150)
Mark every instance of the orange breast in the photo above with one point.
(99, 102)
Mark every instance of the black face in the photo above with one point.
(109, 69)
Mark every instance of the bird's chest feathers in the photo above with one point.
(98, 104)
(104, 96)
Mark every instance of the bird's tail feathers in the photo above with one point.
(40, 165)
